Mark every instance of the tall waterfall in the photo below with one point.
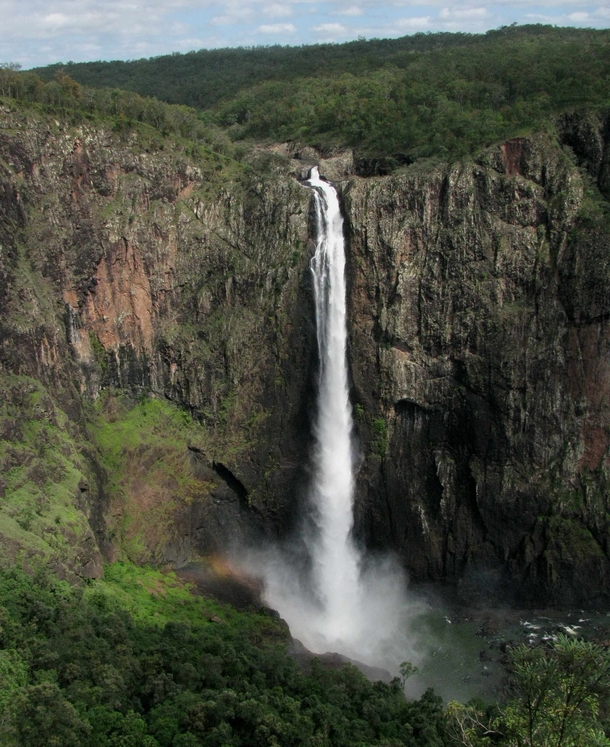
(342, 601)
(335, 559)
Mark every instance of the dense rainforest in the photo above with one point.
(157, 354)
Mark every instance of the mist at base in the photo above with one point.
(380, 628)
(334, 598)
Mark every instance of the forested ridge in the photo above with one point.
(205, 77)
(137, 661)
(429, 94)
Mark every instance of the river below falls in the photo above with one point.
(463, 649)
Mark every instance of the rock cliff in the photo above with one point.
(480, 353)
(132, 267)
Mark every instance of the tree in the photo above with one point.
(46, 719)
(556, 696)
(8, 77)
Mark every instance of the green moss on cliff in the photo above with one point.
(44, 477)
(569, 544)
(144, 447)
(154, 597)
(50, 476)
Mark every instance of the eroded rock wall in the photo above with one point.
(129, 265)
(480, 352)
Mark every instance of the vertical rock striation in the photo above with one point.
(481, 360)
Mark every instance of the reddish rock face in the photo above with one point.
(513, 154)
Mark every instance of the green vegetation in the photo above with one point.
(429, 94)
(123, 109)
(380, 437)
(449, 102)
(143, 445)
(557, 694)
(42, 474)
(201, 79)
(136, 660)
(47, 474)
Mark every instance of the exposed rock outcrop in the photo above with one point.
(480, 352)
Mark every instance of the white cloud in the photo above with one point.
(277, 11)
(41, 31)
(462, 14)
(511, 5)
(353, 10)
(234, 14)
(413, 24)
(55, 21)
(330, 28)
(277, 28)
(539, 18)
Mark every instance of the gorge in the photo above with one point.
(345, 603)
(140, 284)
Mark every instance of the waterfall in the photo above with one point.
(345, 602)
(335, 559)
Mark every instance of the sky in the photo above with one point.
(38, 32)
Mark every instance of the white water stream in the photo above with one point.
(336, 562)
(348, 603)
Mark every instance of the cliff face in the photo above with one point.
(129, 266)
(478, 349)
(480, 353)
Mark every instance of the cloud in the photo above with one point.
(235, 14)
(353, 10)
(49, 20)
(330, 28)
(412, 24)
(579, 17)
(277, 28)
(35, 32)
(462, 14)
(277, 11)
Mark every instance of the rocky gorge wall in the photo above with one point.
(480, 345)
(478, 348)
(131, 268)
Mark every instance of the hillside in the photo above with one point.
(201, 79)
(158, 360)
(392, 101)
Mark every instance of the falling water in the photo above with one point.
(350, 603)
(335, 559)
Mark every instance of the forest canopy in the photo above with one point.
(427, 94)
